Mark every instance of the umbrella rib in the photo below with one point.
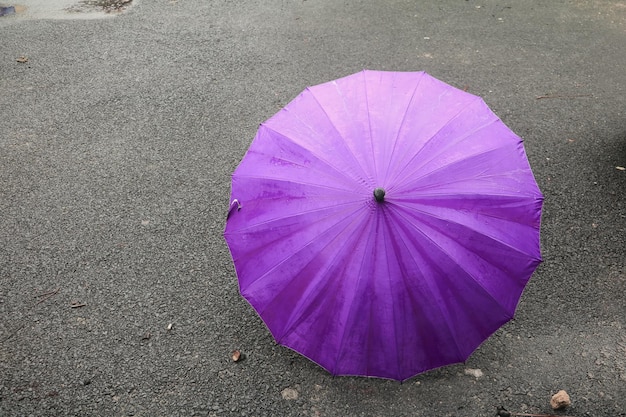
(461, 180)
(290, 161)
(465, 159)
(394, 312)
(369, 318)
(300, 213)
(395, 141)
(363, 171)
(319, 157)
(351, 311)
(459, 139)
(447, 254)
(517, 198)
(369, 124)
(276, 178)
(481, 257)
(401, 230)
(419, 151)
(296, 314)
(472, 229)
(281, 262)
(297, 163)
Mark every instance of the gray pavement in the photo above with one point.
(117, 140)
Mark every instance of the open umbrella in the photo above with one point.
(384, 224)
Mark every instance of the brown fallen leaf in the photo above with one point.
(22, 59)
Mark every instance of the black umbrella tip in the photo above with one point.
(379, 194)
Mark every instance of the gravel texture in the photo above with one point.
(117, 139)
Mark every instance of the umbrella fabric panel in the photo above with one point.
(275, 156)
(320, 278)
(491, 172)
(306, 124)
(325, 272)
(259, 249)
(395, 114)
(393, 330)
(482, 220)
(452, 145)
(400, 112)
(499, 269)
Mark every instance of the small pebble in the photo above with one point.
(560, 400)
(237, 356)
(289, 394)
(476, 373)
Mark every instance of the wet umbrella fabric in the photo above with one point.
(384, 224)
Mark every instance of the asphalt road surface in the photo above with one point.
(118, 136)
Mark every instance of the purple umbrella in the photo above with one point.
(384, 224)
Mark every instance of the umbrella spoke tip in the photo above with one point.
(235, 205)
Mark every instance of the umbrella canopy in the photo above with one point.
(384, 224)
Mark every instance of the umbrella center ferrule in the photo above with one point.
(379, 194)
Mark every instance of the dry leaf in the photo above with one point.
(22, 59)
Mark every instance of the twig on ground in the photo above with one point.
(43, 294)
(44, 297)
(537, 415)
(47, 295)
(563, 96)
